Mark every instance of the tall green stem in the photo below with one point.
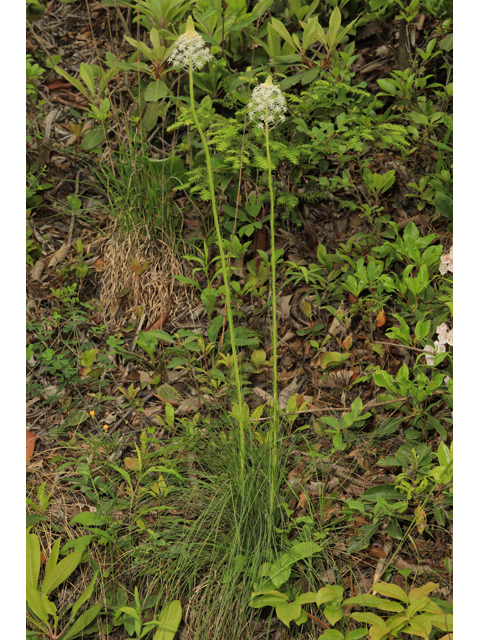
(225, 279)
(274, 323)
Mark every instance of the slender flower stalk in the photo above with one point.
(266, 109)
(190, 52)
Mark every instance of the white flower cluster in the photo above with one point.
(447, 262)
(267, 105)
(444, 337)
(190, 49)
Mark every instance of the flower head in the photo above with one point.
(438, 348)
(92, 413)
(190, 49)
(267, 105)
(446, 262)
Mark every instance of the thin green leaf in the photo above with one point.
(82, 621)
(52, 560)
(84, 597)
(76, 83)
(86, 74)
(33, 559)
(61, 572)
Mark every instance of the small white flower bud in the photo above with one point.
(267, 105)
(190, 49)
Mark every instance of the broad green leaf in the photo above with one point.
(332, 634)
(419, 592)
(387, 85)
(310, 75)
(302, 550)
(444, 454)
(61, 572)
(356, 634)
(309, 32)
(33, 559)
(333, 27)
(444, 622)
(146, 51)
(327, 594)
(93, 138)
(332, 358)
(155, 91)
(306, 598)
(288, 611)
(368, 618)
(447, 43)
(385, 491)
(367, 600)
(419, 626)
(391, 591)
(444, 205)
(84, 597)
(78, 544)
(82, 621)
(35, 602)
(333, 614)
(155, 38)
(268, 599)
(169, 621)
(282, 30)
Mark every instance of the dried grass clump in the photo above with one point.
(155, 290)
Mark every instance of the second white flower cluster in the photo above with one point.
(446, 262)
(445, 336)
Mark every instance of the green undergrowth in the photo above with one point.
(239, 506)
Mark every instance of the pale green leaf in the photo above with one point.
(33, 559)
(35, 603)
(288, 611)
(169, 621)
(61, 572)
